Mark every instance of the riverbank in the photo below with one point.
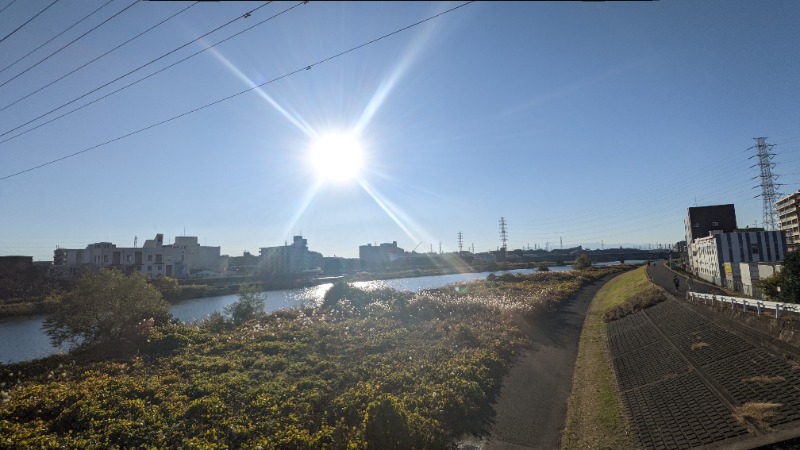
(420, 368)
(595, 417)
(176, 292)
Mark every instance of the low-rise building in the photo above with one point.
(752, 272)
(375, 257)
(716, 258)
(182, 259)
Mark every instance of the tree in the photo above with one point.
(788, 280)
(249, 306)
(168, 286)
(583, 261)
(105, 306)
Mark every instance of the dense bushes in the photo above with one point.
(365, 370)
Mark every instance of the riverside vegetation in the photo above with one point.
(378, 369)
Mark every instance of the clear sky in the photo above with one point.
(581, 122)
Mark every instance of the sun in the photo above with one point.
(337, 157)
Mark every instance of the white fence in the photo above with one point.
(744, 304)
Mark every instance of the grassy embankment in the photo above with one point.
(365, 370)
(595, 414)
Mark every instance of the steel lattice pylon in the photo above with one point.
(768, 193)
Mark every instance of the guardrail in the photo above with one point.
(743, 303)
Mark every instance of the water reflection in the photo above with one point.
(23, 339)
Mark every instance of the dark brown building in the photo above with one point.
(701, 220)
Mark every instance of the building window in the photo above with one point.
(696, 225)
(754, 249)
(128, 258)
(714, 224)
(105, 258)
(149, 268)
(149, 258)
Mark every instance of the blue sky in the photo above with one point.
(581, 122)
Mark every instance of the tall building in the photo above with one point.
(290, 259)
(789, 219)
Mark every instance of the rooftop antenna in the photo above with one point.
(135, 241)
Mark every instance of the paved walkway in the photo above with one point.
(532, 407)
(684, 379)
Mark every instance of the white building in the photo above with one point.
(789, 219)
(294, 258)
(182, 259)
(752, 272)
(717, 257)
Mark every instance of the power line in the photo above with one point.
(242, 16)
(132, 83)
(224, 99)
(6, 7)
(67, 45)
(95, 59)
(54, 37)
(29, 20)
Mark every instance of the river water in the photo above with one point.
(22, 338)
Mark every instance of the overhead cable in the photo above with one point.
(5, 7)
(242, 16)
(54, 37)
(95, 59)
(67, 45)
(28, 21)
(122, 88)
(224, 99)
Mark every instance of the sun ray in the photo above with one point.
(385, 87)
(306, 201)
(401, 219)
(295, 119)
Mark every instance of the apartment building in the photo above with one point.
(789, 219)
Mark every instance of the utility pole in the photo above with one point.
(768, 193)
(460, 242)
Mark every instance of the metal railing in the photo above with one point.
(743, 303)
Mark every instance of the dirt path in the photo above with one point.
(532, 408)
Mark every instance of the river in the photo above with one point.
(22, 338)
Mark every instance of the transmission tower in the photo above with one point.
(768, 193)
(460, 242)
(503, 232)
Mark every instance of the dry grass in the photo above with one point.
(698, 345)
(766, 379)
(595, 417)
(638, 302)
(757, 411)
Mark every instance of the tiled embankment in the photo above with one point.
(681, 376)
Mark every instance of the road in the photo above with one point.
(663, 277)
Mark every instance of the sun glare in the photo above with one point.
(337, 157)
